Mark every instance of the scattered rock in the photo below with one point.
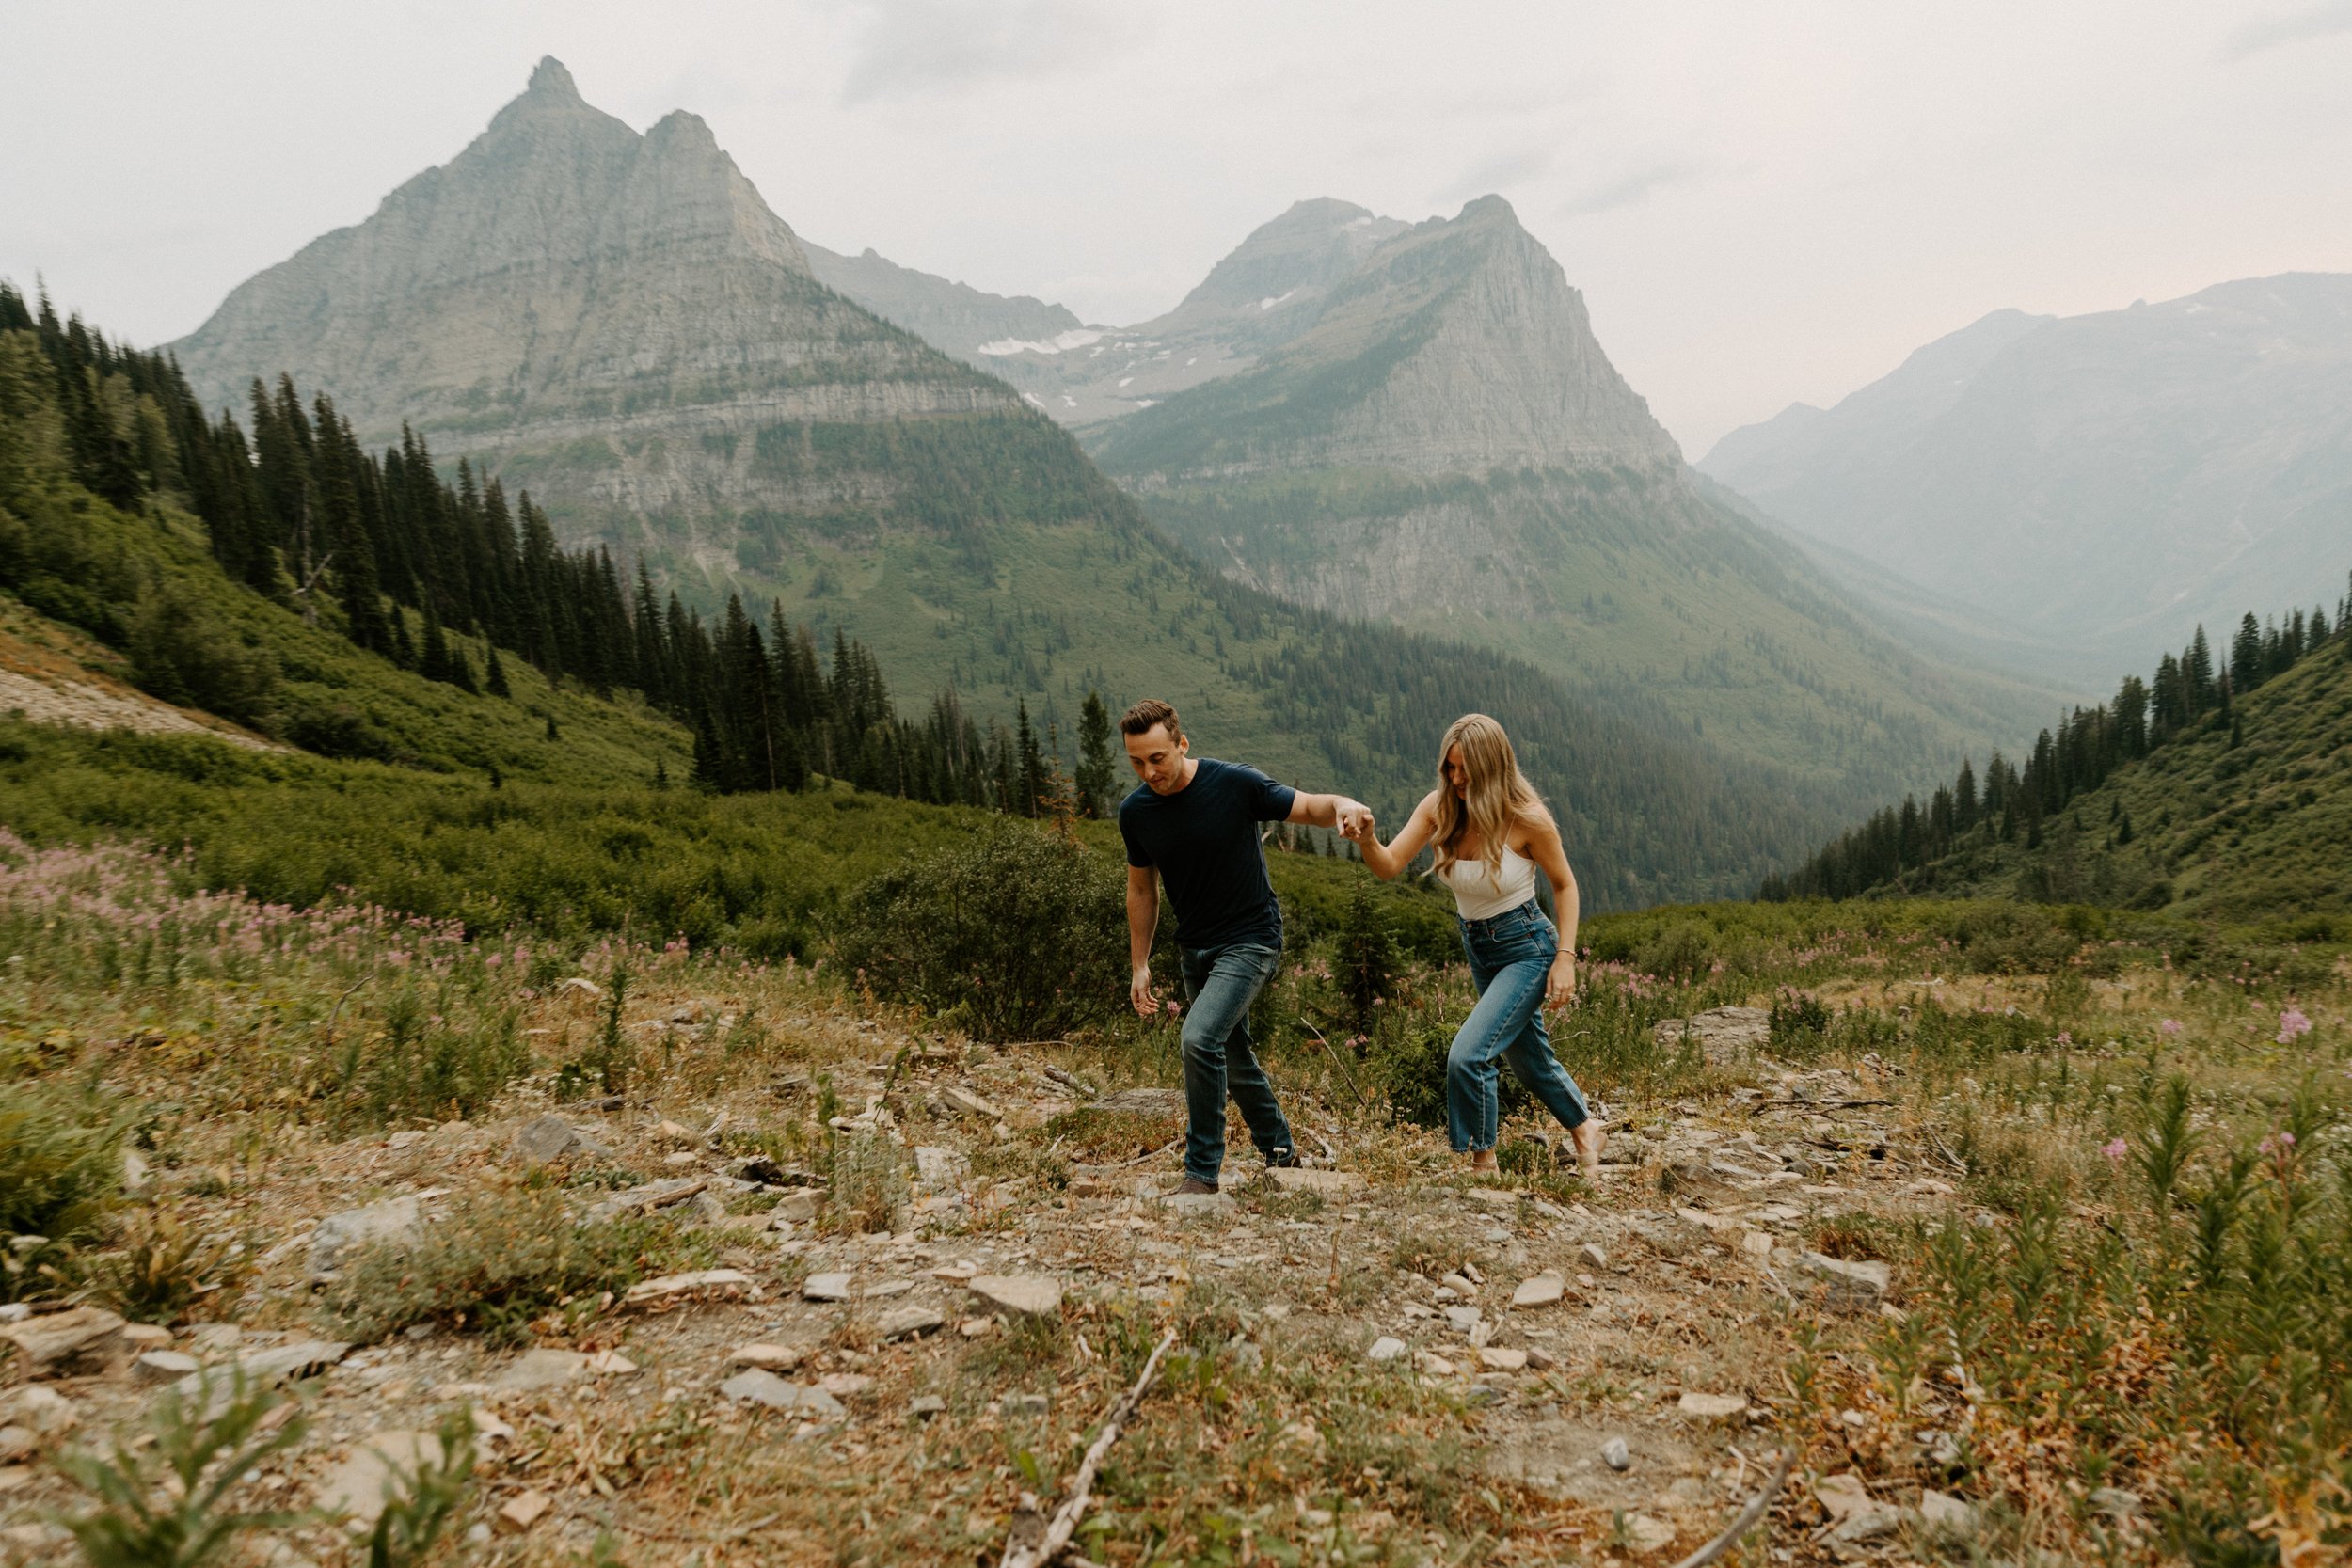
(355, 1228)
(543, 1369)
(670, 1287)
(164, 1366)
(1142, 1103)
(970, 1104)
(136, 1173)
(1463, 1319)
(842, 1385)
(977, 1328)
(1500, 1359)
(924, 1406)
(1712, 1407)
(18, 1444)
(1541, 1359)
(825, 1287)
(1497, 1198)
(1724, 1034)
(1300, 1178)
(1757, 1243)
(263, 1366)
(1614, 1454)
(1592, 1253)
(766, 1388)
(1459, 1285)
(143, 1337)
(644, 1199)
(84, 1330)
(799, 1206)
(1647, 1534)
(1854, 1515)
(526, 1507)
(1387, 1347)
(766, 1358)
(1431, 1362)
(671, 1131)
(356, 1487)
(1540, 1290)
(48, 1413)
(1943, 1511)
(1032, 1295)
(1847, 1287)
(940, 1168)
(610, 1363)
(1025, 1404)
(1195, 1205)
(908, 1322)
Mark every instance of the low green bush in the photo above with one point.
(499, 1260)
(60, 1163)
(1016, 933)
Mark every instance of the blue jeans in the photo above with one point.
(1221, 982)
(1510, 960)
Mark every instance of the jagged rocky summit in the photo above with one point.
(615, 319)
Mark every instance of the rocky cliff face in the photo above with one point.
(1455, 347)
(612, 316)
(2103, 481)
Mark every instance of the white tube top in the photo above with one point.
(1481, 895)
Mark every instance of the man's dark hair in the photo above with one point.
(1139, 718)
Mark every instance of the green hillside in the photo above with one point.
(2212, 792)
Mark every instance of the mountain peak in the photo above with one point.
(1489, 208)
(548, 79)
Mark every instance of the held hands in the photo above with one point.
(1560, 989)
(1354, 819)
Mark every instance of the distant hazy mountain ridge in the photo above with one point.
(2109, 480)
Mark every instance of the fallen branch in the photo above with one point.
(1745, 1519)
(1065, 1521)
(1344, 1077)
(1763, 1105)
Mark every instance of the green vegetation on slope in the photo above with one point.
(2213, 791)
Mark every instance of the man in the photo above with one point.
(1194, 824)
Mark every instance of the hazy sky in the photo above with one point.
(1761, 202)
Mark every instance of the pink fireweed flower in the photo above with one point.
(1170, 1008)
(2291, 1023)
(2065, 1037)
(2115, 1148)
(2170, 1026)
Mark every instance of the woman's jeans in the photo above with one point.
(1510, 960)
(1221, 982)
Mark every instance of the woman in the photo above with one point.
(1492, 834)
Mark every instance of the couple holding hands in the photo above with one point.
(1193, 825)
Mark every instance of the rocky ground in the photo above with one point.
(1378, 1358)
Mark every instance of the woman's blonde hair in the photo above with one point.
(1498, 794)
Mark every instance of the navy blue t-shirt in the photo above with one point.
(1203, 841)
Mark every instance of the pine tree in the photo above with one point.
(496, 680)
(1031, 781)
(1096, 772)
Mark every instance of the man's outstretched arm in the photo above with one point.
(1143, 920)
(1343, 812)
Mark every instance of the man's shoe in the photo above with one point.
(1192, 1186)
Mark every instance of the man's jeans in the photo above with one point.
(1510, 962)
(1221, 982)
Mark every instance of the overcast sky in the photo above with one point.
(1762, 203)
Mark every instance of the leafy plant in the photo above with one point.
(420, 1502)
(498, 1261)
(60, 1162)
(178, 1518)
(1018, 934)
(160, 1267)
(1365, 962)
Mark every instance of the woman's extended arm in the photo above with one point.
(1386, 861)
(1545, 848)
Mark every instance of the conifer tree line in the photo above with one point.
(300, 511)
(2190, 693)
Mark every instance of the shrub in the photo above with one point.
(432, 1066)
(1016, 934)
(499, 1260)
(1799, 1022)
(1365, 962)
(176, 1519)
(160, 1268)
(1408, 1067)
(60, 1162)
(182, 654)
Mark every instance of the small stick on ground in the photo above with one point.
(1065, 1521)
(1745, 1519)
